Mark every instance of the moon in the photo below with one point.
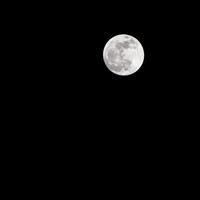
(123, 54)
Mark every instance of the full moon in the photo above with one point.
(123, 54)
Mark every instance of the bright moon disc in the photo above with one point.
(123, 54)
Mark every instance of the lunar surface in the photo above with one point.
(123, 54)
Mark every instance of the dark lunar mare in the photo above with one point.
(112, 67)
(126, 44)
(125, 63)
(112, 54)
(118, 45)
(132, 41)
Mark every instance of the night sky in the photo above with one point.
(62, 57)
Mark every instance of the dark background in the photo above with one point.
(70, 120)
(59, 79)
(61, 70)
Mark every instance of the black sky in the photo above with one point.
(63, 57)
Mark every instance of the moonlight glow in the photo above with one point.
(123, 54)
